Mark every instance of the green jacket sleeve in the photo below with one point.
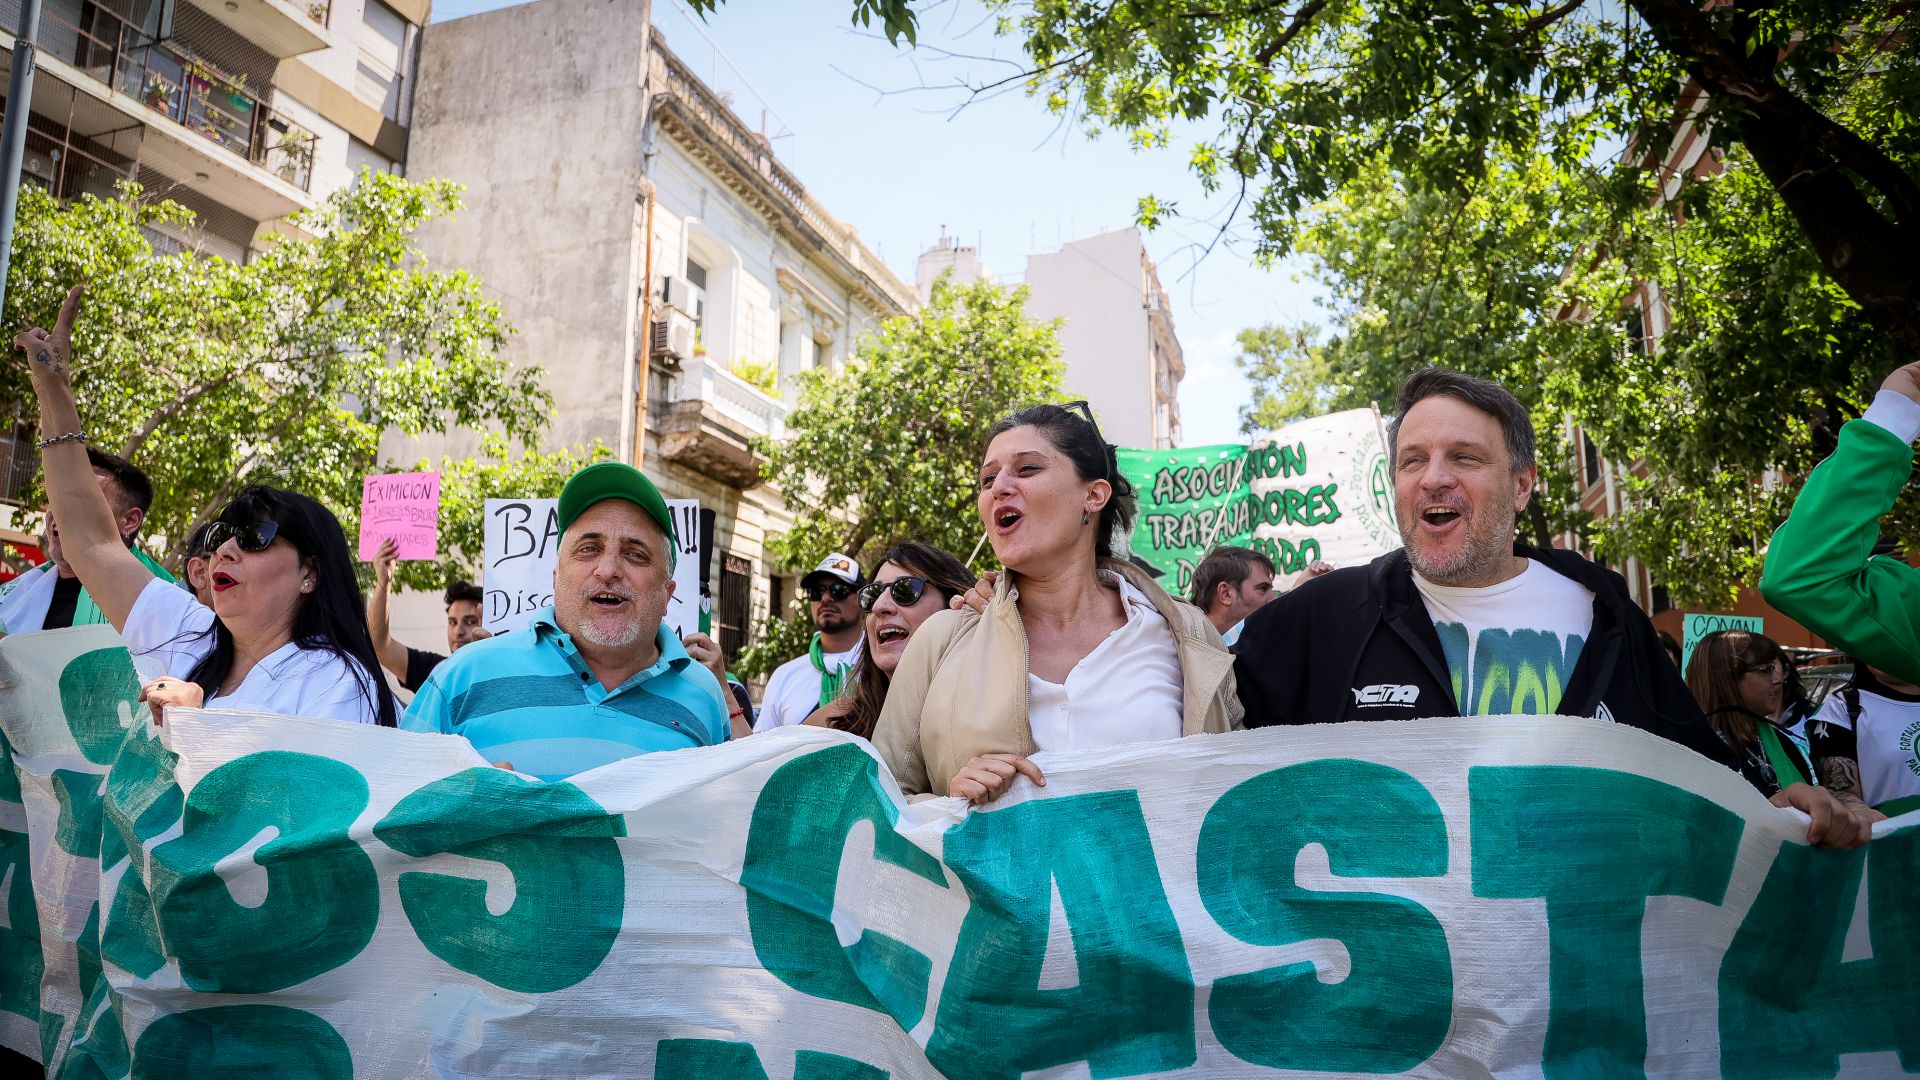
(1818, 571)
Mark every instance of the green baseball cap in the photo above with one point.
(613, 480)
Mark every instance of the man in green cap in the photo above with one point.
(597, 677)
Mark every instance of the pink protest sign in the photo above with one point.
(405, 507)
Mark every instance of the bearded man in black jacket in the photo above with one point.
(1462, 621)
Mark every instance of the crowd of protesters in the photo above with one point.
(959, 680)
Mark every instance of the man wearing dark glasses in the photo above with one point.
(805, 683)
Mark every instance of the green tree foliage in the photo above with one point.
(287, 369)
(1306, 95)
(1287, 368)
(890, 446)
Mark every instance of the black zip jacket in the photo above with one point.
(1358, 644)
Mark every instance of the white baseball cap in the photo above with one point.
(835, 565)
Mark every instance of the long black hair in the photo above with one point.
(1071, 430)
(332, 618)
(859, 710)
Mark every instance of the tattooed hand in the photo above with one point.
(48, 352)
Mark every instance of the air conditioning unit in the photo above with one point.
(673, 337)
(684, 296)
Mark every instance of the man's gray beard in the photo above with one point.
(1479, 564)
(621, 640)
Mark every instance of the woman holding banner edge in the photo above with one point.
(1077, 650)
(286, 632)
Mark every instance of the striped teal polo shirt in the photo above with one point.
(528, 698)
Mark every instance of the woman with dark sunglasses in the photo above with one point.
(1077, 649)
(914, 580)
(286, 633)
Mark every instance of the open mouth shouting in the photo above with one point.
(1005, 520)
(608, 600)
(890, 634)
(1439, 520)
(222, 582)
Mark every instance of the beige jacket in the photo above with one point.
(961, 688)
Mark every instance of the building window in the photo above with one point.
(18, 461)
(736, 605)
(380, 76)
(1662, 600)
(1592, 453)
(1636, 328)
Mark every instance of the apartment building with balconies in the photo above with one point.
(244, 111)
(1116, 334)
(660, 262)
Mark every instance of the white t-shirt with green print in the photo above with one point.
(1511, 647)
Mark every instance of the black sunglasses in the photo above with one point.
(839, 590)
(255, 537)
(907, 591)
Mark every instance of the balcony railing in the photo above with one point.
(731, 397)
(184, 89)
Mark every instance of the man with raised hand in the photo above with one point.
(598, 676)
(1462, 621)
(410, 665)
(1820, 568)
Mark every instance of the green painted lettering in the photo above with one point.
(569, 881)
(1595, 844)
(794, 848)
(1393, 1009)
(322, 897)
(1131, 1011)
(1797, 1021)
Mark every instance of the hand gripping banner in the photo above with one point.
(247, 895)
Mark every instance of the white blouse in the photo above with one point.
(169, 632)
(1128, 689)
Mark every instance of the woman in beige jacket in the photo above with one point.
(1076, 650)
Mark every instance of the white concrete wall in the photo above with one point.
(1096, 286)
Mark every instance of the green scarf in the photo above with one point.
(831, 682)
(1784, 769)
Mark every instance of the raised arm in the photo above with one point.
(392, 654)
(89, 536)
(1818, 568)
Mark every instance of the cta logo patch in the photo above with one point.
(1393, 695)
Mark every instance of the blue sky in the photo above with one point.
(856, 120)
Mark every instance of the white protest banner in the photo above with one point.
(1322, 491)
(404, 508)
(1694, 626)
(1514, 896)
(522, 539)
(683, 610)
(519, 538)
(1319, 489)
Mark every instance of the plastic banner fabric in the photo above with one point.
(1317, 490)
(247, 895)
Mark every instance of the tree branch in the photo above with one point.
(1724, 69)
(1547, 18)
(1301, 19)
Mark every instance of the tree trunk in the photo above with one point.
(1817, 165)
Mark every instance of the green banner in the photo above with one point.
(1314, 491)
(1190, 501)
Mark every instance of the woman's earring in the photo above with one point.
(1083, 517)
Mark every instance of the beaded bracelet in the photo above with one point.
(71, 436)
